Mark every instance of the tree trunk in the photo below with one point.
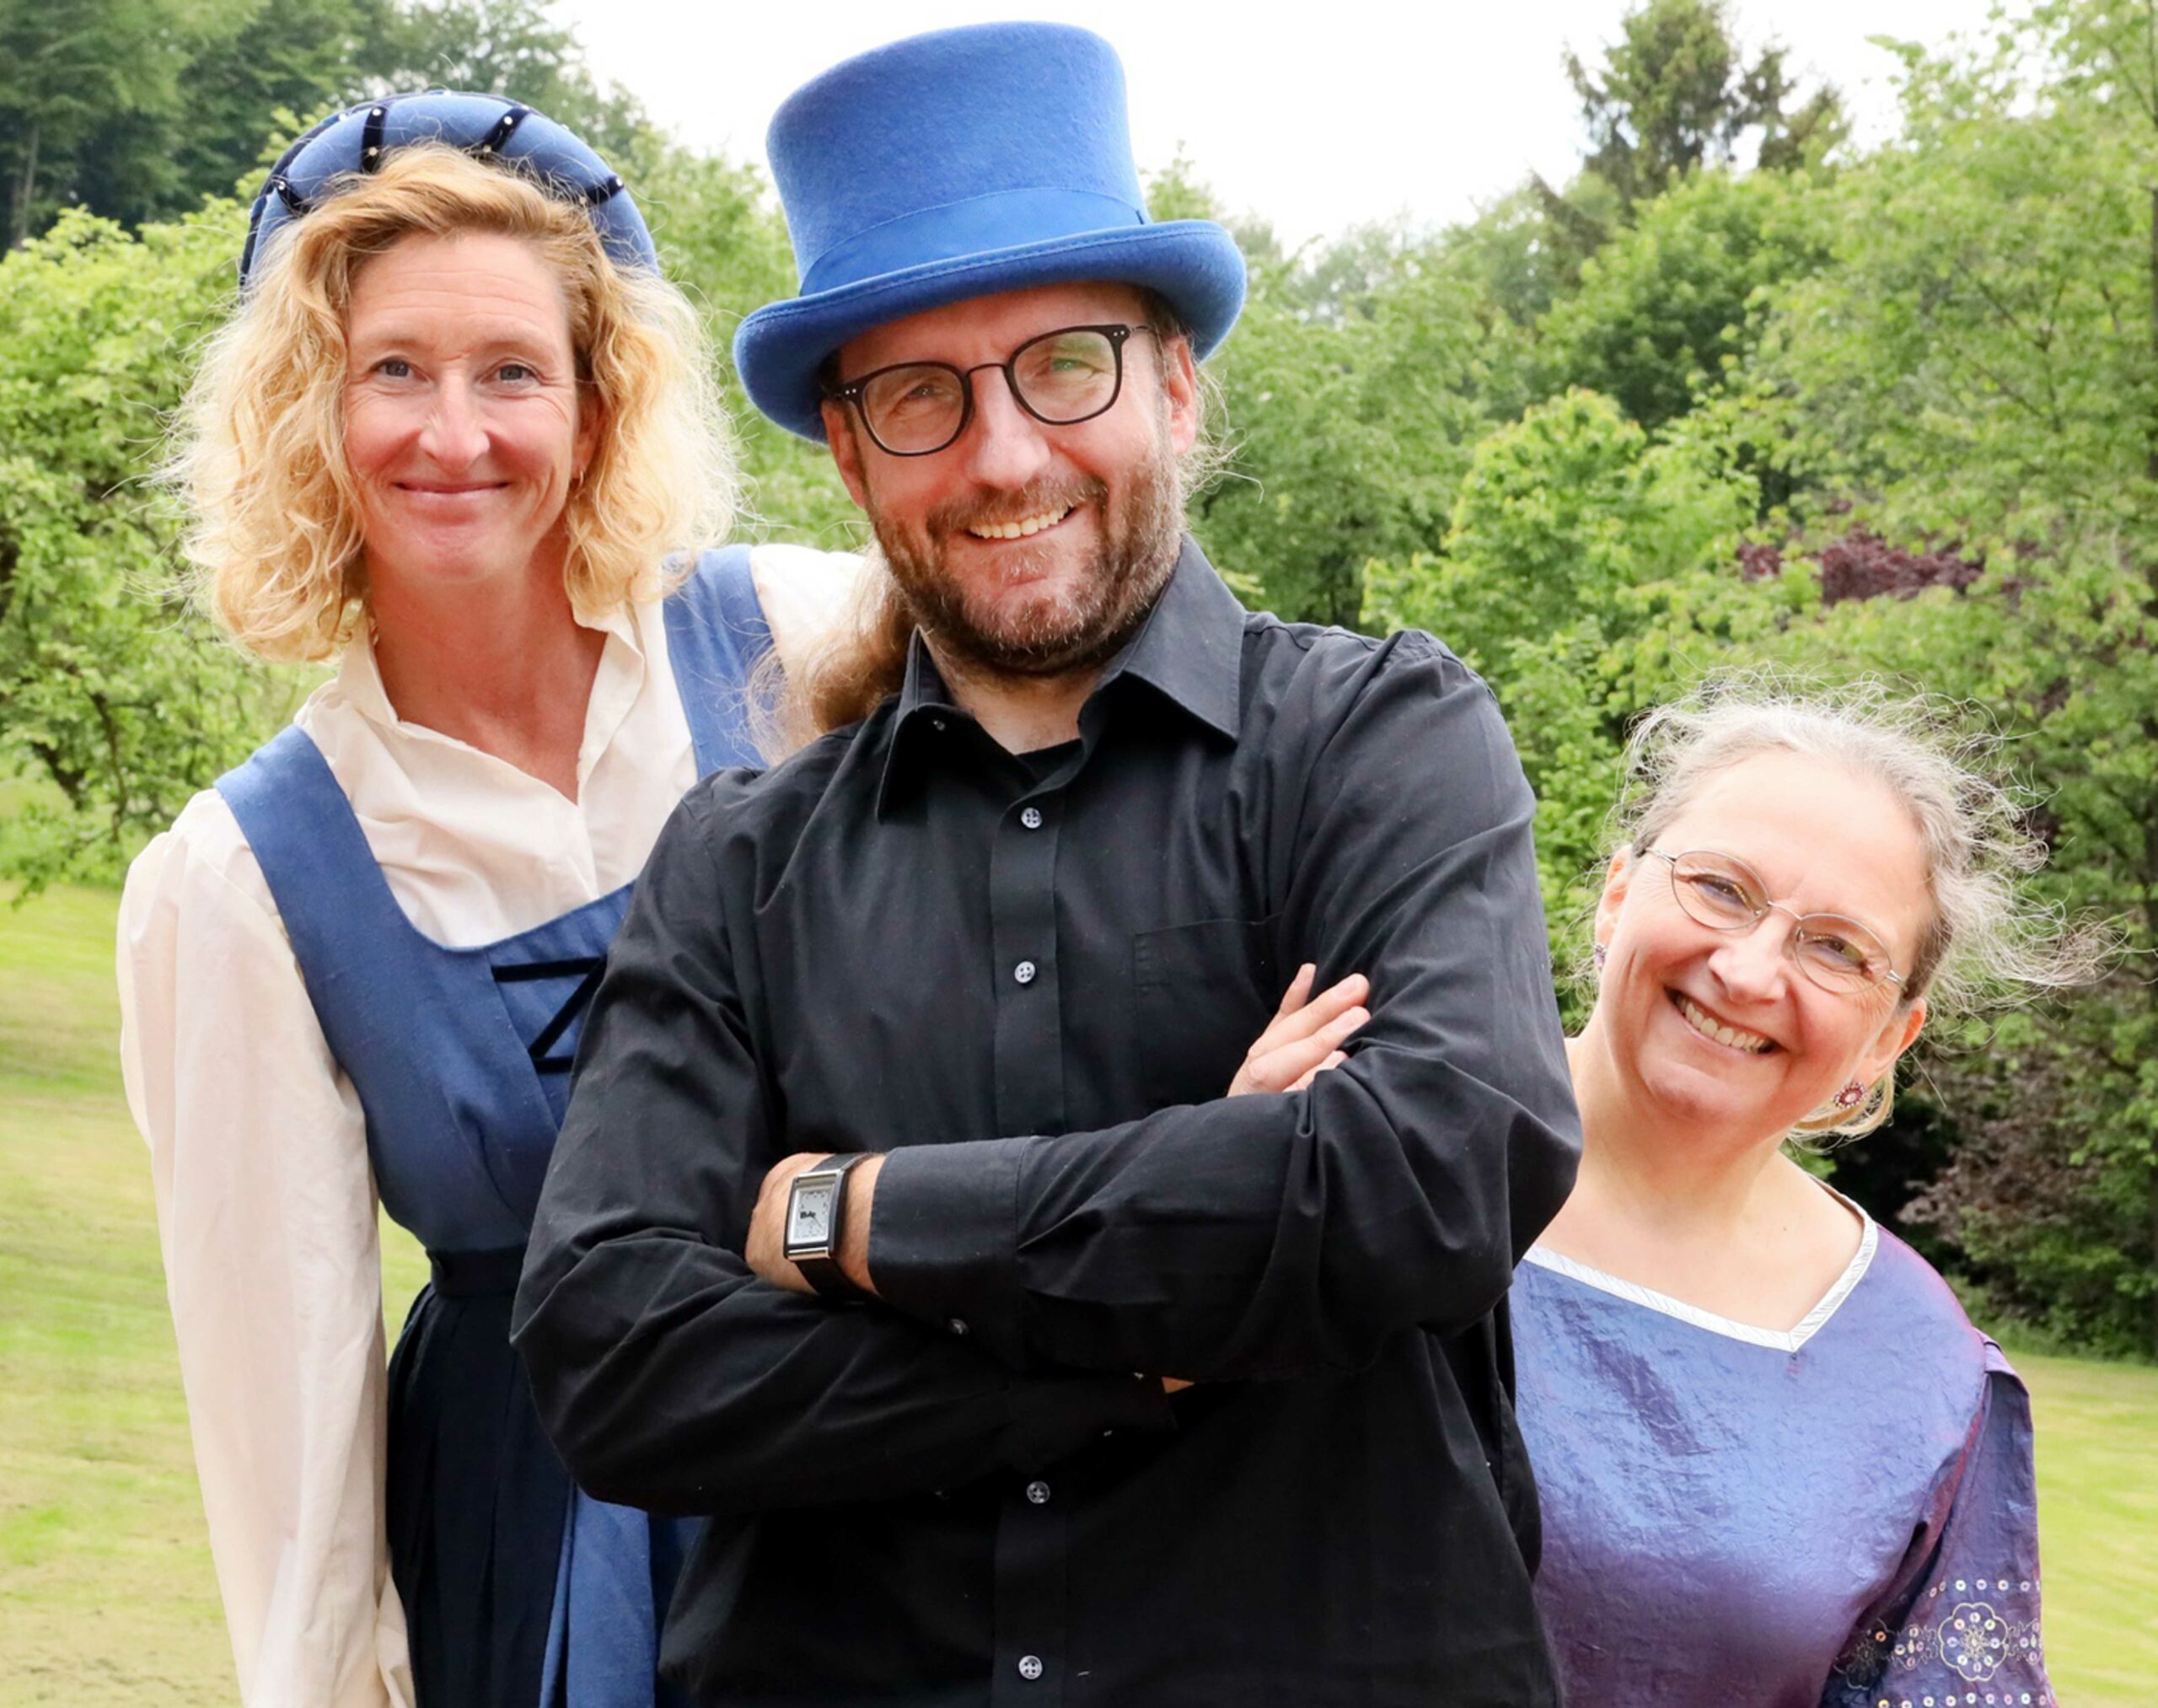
(20, 223)
(2154, 316)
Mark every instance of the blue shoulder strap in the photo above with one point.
(716, 634)
(305, 835)
(350, 938)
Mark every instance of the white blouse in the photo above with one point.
(258, 1147)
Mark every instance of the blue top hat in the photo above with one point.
(489, 126)
(957, 164)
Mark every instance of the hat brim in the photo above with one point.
(1194, 264)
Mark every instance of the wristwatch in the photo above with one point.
(816, 1221)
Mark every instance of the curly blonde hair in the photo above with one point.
(258, 453)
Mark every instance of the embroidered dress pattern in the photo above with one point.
(1977, 1639)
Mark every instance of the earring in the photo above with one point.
(1599, 954)
(1851, 1096)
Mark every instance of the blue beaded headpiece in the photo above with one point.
(492, 127)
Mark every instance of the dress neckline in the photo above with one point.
(1790, 1340)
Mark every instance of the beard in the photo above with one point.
(1066, 629)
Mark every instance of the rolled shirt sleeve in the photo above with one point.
(1276, 1234)
(268, 1218)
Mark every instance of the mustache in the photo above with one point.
(1004, 508)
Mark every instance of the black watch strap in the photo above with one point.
(823, 1271)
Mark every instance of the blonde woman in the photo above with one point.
(452, 437)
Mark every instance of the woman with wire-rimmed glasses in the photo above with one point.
(1776, 1465)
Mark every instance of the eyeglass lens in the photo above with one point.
(1836, 952)
(1060, 378)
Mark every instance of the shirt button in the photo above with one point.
(1031, 817)
(1030, 1667)
(1024, 972)
(957, 1325)
(1037, 1492)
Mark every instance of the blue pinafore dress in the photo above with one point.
(519, 1591)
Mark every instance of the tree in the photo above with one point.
(1674, 95)
(1972, 373)
(66, 73)
(1358, 378)
(1668, 306)
(138, 110)
(245, 71)
(721, 237)
(507, 47)
(114, 694)
(1588, 573)
(1349, 438)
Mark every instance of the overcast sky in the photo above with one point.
(1340, 112)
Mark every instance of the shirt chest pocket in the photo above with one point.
(1204, 992)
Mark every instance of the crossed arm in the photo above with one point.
(1303, 1040)
(1251, 1237)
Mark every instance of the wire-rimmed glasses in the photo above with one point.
(915, 409)
(1832, 950)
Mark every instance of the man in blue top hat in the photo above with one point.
(900, 1223)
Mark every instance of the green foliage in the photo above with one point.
(1899, 418)
(1665, 308)
(109, 688)
(1673, 94)
(1585, 575)
(1358, 379)
(65, 73)
(236, 65)
(139, 110)
(1977, 365)
(721, 238)
(1350, 436)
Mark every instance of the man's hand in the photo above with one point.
(766, 1251)
(1304, 1039)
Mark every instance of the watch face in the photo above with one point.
(810, 1223)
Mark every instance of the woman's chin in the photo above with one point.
(450, 562)
(1710, 1099)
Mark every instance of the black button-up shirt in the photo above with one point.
(1032, 984)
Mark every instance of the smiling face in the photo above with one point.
(463, 426)
(1026, 549)
(1719, 1032)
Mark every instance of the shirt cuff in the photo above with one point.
(942, 1245)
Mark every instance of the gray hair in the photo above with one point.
(1986, 941)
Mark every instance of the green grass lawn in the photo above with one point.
(106, 1594)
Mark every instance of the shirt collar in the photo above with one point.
(359, 676)
(1191, 646)
(1189, 650)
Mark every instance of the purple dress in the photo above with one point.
(1839, 1516)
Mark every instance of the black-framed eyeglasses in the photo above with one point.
(915, 409)
(1833, 951)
